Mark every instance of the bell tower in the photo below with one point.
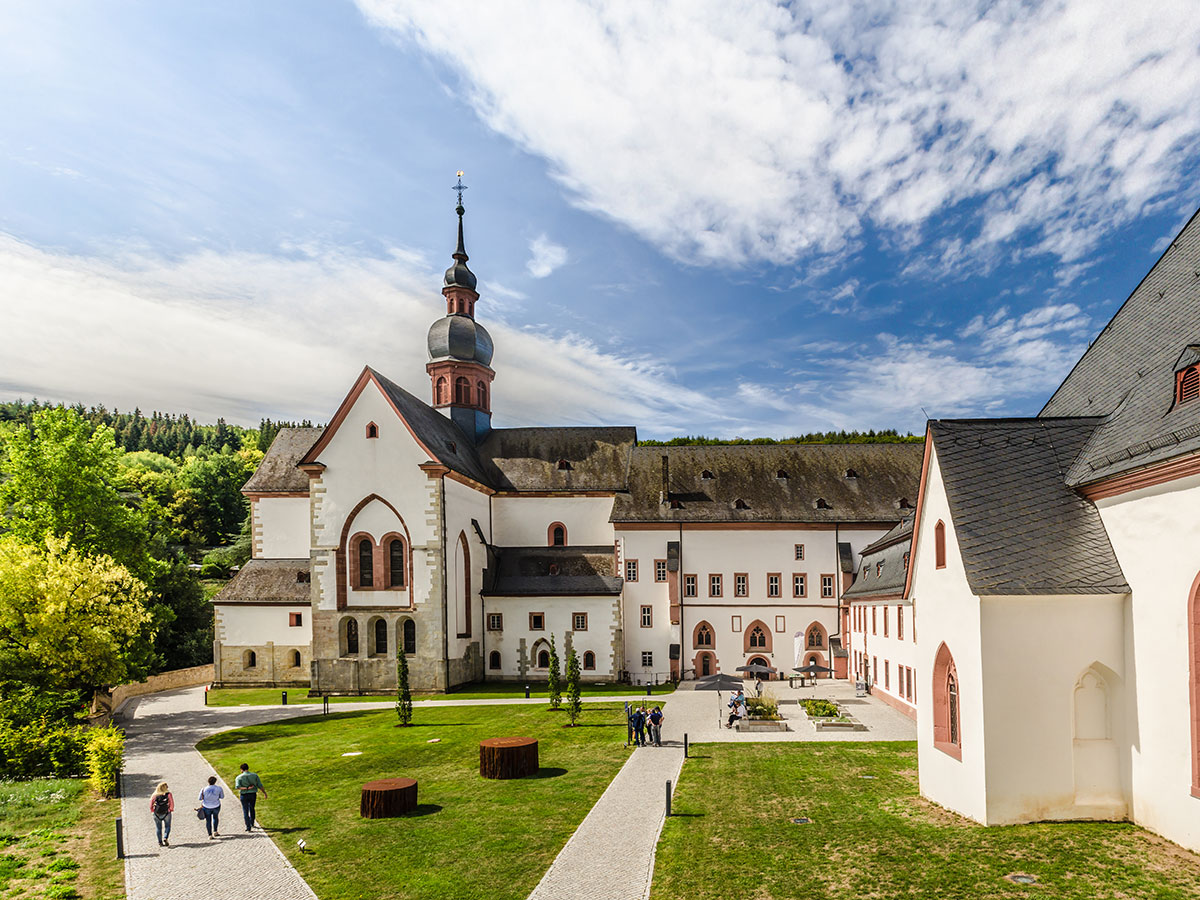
(460, 349)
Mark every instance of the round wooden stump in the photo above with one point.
(508, 757)
(388, 798)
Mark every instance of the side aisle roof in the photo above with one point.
(277, 473)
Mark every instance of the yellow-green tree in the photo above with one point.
(69, 622)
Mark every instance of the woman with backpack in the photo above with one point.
(162, 804)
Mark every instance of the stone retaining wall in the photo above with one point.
(165, 681)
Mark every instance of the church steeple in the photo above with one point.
(460, 349)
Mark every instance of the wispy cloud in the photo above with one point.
(1043, 125)
(545, 256)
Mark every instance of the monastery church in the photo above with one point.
(1054, 672)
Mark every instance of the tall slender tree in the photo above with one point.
(403, 694)
(555, 679)
(574, 704)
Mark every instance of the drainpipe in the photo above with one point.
(445, 596)
(682, 604)
(837, 593)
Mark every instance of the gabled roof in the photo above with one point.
(528, 459)
(526, 572)
(1020, 528)
(283, 581)
(775, 483)
(1128, 373)
(277, 473)
(872, 580)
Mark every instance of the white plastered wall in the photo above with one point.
(464, 503)
(603, 621)
(889, 649)
(948, 612)
(1155, 533)
(284, 526)
(524, 521)
(251, 625)
(1036, 650)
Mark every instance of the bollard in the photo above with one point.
(284, 697)
(325, 704)
(685, 747)
(647, 690)
(526, 692)
(120, 841)
(668, 798)
(206, 687)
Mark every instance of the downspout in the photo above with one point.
(445, 596)
(682, 604)
(841, 576)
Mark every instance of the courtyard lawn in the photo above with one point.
(497, 691)
(469, 837)
(57, 842)
(875, 837)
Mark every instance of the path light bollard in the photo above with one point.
(120, 840)
(206, 687)
(526, 692)
(668, 798)
(647, 690)
(325, 704)
(685, 747)
(284, 697)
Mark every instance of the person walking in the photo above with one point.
(639, 727)
(162, 804)
(210, 806)
(248, 785)
(656, 719)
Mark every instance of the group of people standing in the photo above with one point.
(646, 725)
(247, 784)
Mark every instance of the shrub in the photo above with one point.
(574, 704)
(42, 749)
(554, 678)
(764, 707)
(105, 758)
(821, 709)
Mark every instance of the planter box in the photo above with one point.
(749, 725)
(844, 723)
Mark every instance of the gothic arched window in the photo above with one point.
(366, 564)
(758, 637)
(947, 733)
(543, 659)
(815, 637)
(351, 638)
(396, 562)
(381, 637)
(704, 636)
(410, 637)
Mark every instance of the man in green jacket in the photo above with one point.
(248, 784)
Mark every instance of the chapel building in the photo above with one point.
(418, 527)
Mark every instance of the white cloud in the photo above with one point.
(726, 131)
(545, 256)
(244, 335)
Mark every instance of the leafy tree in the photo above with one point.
(214, 481)
(555, 685)
(184, 618)
(574, 704)
(404, 707)
(63, 480)
(69, 622)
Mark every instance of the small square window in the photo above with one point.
(579, 621)
(647, 657)
(647, 616)
(689, 585)
(495, 621)
(774, 585)
(781, 623)
(799, 584)
(660, 570)
(799, 551)
(631, 569)
(714, 585)
(735, 623)
(295, 620)
(537, 621)
(741, 585)
(826, 585)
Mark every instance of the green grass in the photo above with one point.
(470, 837)
(496, 691)
(876, 838)
(57, 843)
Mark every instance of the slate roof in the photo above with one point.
(277, 471)
(870, 581)
(885, 475)
(268, 581)
(527, 459)
(525, 572)
(1128, 373)
(1020, 528)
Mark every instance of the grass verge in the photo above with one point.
(270, 696)
(57, 842)
(872, 835)
(469, 838)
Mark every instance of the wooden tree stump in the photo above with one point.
(508, 757)
(388, 798)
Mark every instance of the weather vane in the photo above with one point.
(460, 187)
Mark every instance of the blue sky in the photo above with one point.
(730, 218)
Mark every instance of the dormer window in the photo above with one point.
(563, 465)
(706, 475)
(850, 473)
(372, 430)
(554, 568)
(903, 503)
(1187, 384)
(675, 504)
(822, 503)
(740, 504)
(878, 569)
(781, 475)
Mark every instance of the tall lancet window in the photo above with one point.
(366, 564)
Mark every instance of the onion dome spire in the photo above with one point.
(458, 275)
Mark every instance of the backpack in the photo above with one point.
(162, 805)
